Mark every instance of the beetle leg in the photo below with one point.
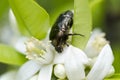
(72, 34)
(67, 44)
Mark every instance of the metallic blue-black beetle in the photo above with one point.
(60, 30)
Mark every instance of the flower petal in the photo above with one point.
(45, 72)
(103, 64)
(74, 63)
(80, 55)
(59, 58)
(20, 44)
(111, 72)
(28, 70)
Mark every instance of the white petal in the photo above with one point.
(45, 72)
(91, 52)
(28, 70)
(74, 64)
(20, 44)
(79, 54)
(111, 72)
(8, 76)
(60, 57)
(103, 64)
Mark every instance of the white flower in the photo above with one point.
(74, 62)
(100, 55)
(96, 42)
(70, 64)
(103, 64)
(43, 57)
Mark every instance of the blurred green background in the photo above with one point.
(105, 15)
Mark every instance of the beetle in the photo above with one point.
(60, 30)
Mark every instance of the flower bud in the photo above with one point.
(59, 71)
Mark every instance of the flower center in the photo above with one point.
(39, 51)
(99, 42)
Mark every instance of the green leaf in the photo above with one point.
(56, 7)
(82, 23)
(114, 77)
(10, 56)
(98, 12)
(114, 6)
(116, 51)
(31, 17)
(3, 7)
